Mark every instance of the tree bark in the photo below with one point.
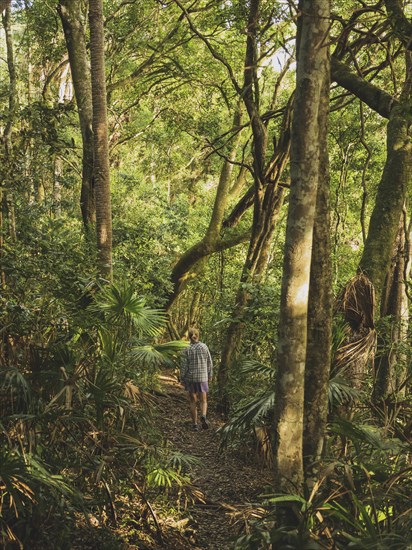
(6, 203)
(319, 344)
(100, 140)
(71, 14)
(393, 308)
(312, 68)
(390, 198)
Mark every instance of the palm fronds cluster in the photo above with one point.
(357, 305)
(76, 415)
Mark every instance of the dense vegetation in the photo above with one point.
(173, 203)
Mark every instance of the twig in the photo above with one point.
(152, 512)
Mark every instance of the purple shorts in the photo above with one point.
(197, 387)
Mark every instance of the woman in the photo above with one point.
(196, 372)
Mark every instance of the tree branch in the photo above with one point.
(209, 46)
(377, 99)
(399, 22)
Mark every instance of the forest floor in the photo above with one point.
(228, 484)
(220, 499)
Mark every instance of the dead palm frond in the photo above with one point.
(357, 303)
(357, 351)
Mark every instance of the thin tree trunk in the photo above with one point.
(72, 16)
(57, 188)
(267, 201)
(392, 308)
(319, 344)
(6, 203)
(253, 269)
(312, 68)
(100, 141)
(185, 268)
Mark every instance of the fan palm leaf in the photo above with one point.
(247, 417)
(341, 393)
(155, 355)
(120, 303)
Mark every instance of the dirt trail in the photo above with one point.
(226, 481)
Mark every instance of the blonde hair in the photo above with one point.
(193, 334)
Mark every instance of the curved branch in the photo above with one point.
(377, 99)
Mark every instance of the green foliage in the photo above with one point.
(79, 358)
(84, 387)
(23, 480)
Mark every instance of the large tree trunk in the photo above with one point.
(390, 198)
(72, 17)
(318, 352)
(100, 141)
(312, 68)
(379, 245)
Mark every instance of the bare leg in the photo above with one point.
(193, 407)
(203, 403)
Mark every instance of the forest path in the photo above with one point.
(226, 481)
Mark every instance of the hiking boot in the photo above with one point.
(195, 428)
(205, 423)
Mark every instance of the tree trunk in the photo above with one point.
(390, 198)
(185, 268)
(71, 15)
(319, 344)
(100, 141)
(393, 309)
(312, 68)
(267, 201)
(6, 203)
(255, 265)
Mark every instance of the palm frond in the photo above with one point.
(356, 351)
(104, 388)
(155, 355)
(247, 417)
(171, 351)
(146, 356)
(121, 302)
(182, 462)
(108, 343)
(365, 435)
(250, 366)
(357, 302)
(14, 388)
(341, 393)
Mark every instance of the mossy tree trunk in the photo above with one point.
(6, 169)
(73, 22)
(394, 309)
(312, 69)
(186, 267)
(319, 344)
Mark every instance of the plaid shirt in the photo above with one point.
(197, 363)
